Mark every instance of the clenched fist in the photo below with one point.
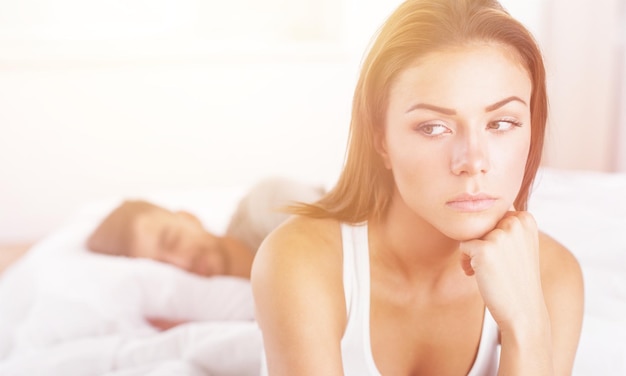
(505, 263)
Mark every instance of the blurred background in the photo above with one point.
(109, 98)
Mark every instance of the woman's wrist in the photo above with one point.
(527, 345)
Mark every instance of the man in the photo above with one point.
(142, 229)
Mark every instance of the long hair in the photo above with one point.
(416, 28)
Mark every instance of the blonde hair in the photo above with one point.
(416, 28)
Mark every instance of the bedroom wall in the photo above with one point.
(165, 102)
(158, 102)
(73, 135)
(582, 43)
(621, 103)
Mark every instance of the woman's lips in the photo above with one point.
(467, 202)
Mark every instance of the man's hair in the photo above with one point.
(114, 235)
(415, 29)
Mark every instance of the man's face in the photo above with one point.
(177, 239)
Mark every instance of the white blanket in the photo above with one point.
(65, 311)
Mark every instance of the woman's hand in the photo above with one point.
(505, 263)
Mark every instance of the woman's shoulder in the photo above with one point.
(304, 235)
(556, 260)
(299, 249)
(562, 280)
(297, 277)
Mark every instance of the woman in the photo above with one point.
(422, 260)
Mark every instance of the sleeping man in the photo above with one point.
(142, 229)
(145, 230)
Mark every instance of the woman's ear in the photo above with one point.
(380, 144)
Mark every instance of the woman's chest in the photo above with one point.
(419, 338)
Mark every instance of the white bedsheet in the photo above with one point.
(64, 311)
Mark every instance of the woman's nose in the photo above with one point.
(470, 154)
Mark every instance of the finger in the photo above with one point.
(512, 220)
(507, 220)
(468, 251)
(506, 223)
(466, 264)
(527, 219)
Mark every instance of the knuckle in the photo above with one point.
(507, 222)
(527, 220)
(498, 234)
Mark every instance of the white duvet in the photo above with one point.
(64, 311)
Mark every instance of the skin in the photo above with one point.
(436, 259)
(179, 239)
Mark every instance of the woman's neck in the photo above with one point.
(402, 238)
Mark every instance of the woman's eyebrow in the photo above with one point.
(432, 107)
(501, 103)
(449, 111)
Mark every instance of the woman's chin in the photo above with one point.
(470, 230)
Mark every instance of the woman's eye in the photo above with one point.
(503, 125)
(433, 129)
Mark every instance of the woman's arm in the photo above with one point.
(533, 288)
(562, 285)
(298, 292)
(563, 289)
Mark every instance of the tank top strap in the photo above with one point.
(355, 344)
(488, 356)
(355, 266)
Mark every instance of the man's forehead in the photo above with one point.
(154, 216)
(145, 228)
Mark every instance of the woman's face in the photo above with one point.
(457, 136)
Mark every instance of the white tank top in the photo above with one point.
(356, 350)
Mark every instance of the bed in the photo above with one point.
(65, 311)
